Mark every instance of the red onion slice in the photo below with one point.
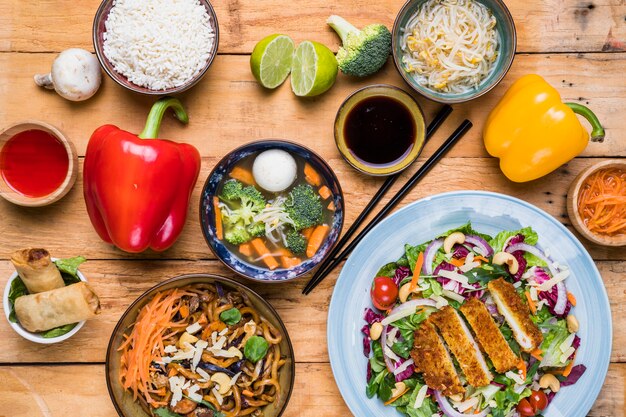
(429, 256)
(480, 243)
(561, 299)
(531, 249)
(383, 343)
(449, 411)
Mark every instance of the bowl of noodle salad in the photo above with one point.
(200, 346)
(452, 51)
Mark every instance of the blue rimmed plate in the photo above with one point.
(207, 215)
(489, 213)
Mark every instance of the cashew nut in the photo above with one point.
(502, 258)
(376, 330)
(234, 351)
(404, 292)
(398, 390)
(572, 323)
(186, 338)
(453, 239)
(550, 381)
(223, 382)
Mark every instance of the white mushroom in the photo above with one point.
(75, 75)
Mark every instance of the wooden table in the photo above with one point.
(578, 46)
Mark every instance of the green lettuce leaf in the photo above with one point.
(69, 268)
(17, 290)
(466, 229)
(58, 331)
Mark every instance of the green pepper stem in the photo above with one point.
(153, 122)
(597, 132)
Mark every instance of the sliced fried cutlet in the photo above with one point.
(488, 335)
(434, 362)
(463, 346)
(516, 314)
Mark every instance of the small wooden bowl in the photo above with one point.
(572, 205)
(72, 171)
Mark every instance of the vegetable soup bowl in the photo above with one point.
(225, 254)
(123, 400)
(507, 38)
(35, 337)
(98, 42)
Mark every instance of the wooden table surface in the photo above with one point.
(577, 45)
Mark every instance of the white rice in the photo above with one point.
(158, 44)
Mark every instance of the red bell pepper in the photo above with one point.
(137, 188)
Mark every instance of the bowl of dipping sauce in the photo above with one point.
(38, 165)
(380, 130)
(596, 203)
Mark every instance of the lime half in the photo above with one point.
(314, 69)
(271, 58)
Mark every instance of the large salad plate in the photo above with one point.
(489, 213)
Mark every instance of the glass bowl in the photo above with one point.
(388, 91)
(207, 212)
(123, 400)
(508, 44)
(98, 40)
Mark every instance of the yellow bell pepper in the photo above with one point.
(533, 132)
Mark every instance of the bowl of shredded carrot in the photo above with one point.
(200, 346)
(596, 203)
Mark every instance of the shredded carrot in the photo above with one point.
(571, 298)
(331, 205)
(531, 303)
(243, 175)
(263, 251)
(184, 311)
(247, 393)
(312, 176)
(289, 262)
(316, 240)
(307, 232)
(245, 249)
(416, 271)
(521, 365)
(457, 262)
(602, 202)
(481, 258)
(325, 192)
(568, 368)
(391, 400)
(537, 354)
(219, 227)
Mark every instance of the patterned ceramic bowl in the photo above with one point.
(98, 40)
(508, 44)
(207, 213)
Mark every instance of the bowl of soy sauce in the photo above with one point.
(380, 130)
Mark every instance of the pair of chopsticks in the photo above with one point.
(327, 266)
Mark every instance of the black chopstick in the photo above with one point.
(440, 117)
(421, 172)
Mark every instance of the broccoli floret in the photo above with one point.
(363, 52)
(244, 202)
(296, 243)
(304, 207)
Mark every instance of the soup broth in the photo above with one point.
(282, 243)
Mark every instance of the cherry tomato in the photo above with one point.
(525, 409)
(538, 400)
(384, 293)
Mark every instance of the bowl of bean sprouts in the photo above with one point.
(452, 51)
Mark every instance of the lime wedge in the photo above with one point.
(271, 58)
(314, 69)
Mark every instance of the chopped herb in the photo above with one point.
(230, 316)
(255, 349)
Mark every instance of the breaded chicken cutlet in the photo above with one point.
(463, 346)
(516, 314)
(488, 335)
(433, 360)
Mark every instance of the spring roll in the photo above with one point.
(58, 307)
(37, 270)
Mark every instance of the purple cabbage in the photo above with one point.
(401, 273)
(521, 262)
(446, 266)
(406, 373)
(550, 396)
(519, 238)
(367, 348)
(575, 345)
(551, 297)
(369, 371)
(574, 376)
(372, 317)
(460, 252)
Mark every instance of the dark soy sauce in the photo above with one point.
(379, 130)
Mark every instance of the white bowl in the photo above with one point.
(36, 337)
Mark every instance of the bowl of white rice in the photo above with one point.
(156, 47)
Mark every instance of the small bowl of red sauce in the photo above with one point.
(38, 164)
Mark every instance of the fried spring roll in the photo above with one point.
(36, 269)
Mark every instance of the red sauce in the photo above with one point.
(34, 163)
